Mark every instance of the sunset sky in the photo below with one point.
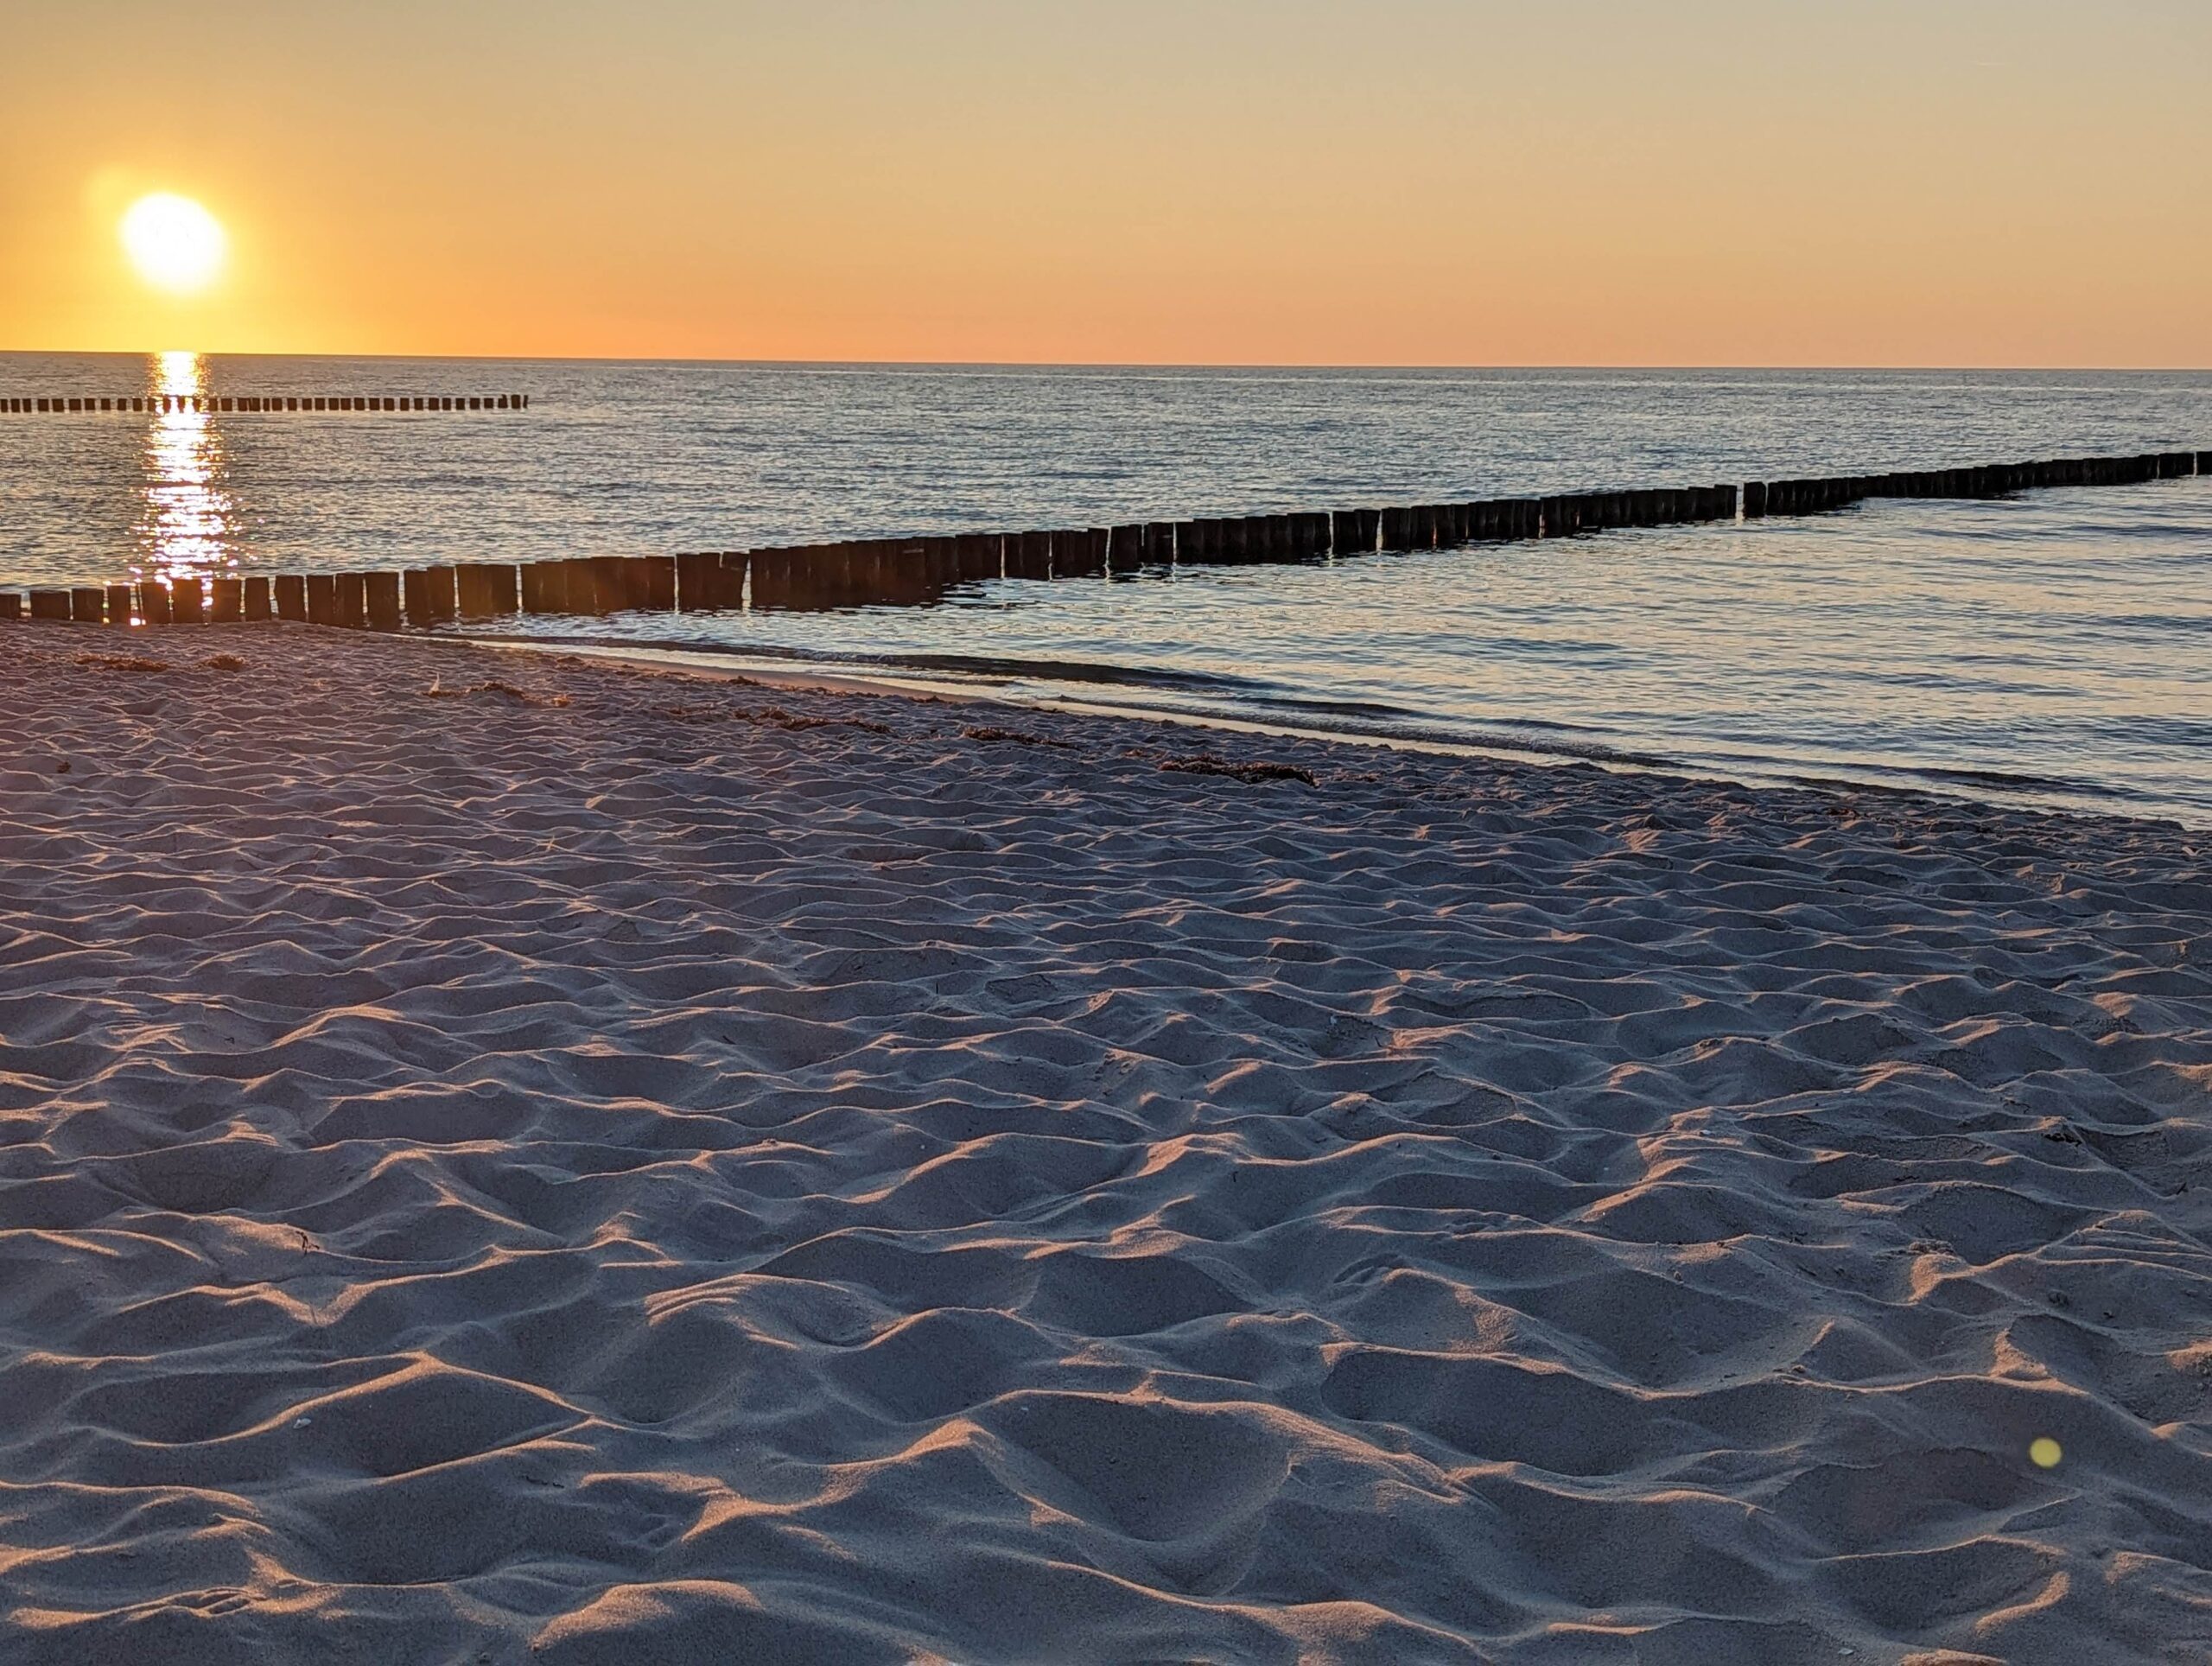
(1397, 181)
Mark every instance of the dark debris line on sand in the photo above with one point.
(494, 1178)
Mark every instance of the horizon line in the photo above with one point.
(1348, 367)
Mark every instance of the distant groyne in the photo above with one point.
(169, 405)
(916, 571)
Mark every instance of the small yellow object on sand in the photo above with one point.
(2045, 1452)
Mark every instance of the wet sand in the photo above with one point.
(508, 1159)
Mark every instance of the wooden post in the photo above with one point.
(415, 595)
(1126, 549)
(88, 605)
(256, 598)
(230, 601)
(545, 586)
(49, 604)
(693, 583)
(12, 606)
(186, 602)
(578, 586)
(473, 590)
(291, 597)
(1079, 554)
(772, 578)
(653, 581)
(382, 601)
(352, 600)
(154, 602)
(731, 578)
(119, 604)
(438, 593)
(610, 583)
(979, 557)
(1029, 555)
(322, 599)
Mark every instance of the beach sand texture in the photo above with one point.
(701, 1172)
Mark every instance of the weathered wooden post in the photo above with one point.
(610, 581)
(186, 602)
(438, 597)
(50, 604)
(581, 586)
(119, 604)
(503, 581)
(256, 598)
(979, 557)
(87, 605)
(537, 588)
(381, 599)
(11, 608)
(693, 582)
(1078, 553)
(230, 601)
(772, 578)
(727, 579)
(291, 597)
(472, 590)
(322, 599)
(154, 602)
(352, 600)
(1125, 549)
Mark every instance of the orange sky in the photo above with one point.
(1400, 182)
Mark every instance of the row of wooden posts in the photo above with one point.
(170, 404)
(918, 570)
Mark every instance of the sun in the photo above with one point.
(176, 244)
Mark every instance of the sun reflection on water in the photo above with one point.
(185, 528)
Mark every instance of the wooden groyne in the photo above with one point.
(916, 571)
(173, 404)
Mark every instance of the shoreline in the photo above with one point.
(737, 664)
(540, 1160)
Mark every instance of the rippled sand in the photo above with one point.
(622, 1168)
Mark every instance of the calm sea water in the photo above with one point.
(2056, 649)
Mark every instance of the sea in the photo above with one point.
(2053, 649)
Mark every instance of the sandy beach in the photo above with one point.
(512, 1160)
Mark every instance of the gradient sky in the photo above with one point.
(1948, 182)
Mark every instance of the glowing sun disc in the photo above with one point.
(174, 243)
